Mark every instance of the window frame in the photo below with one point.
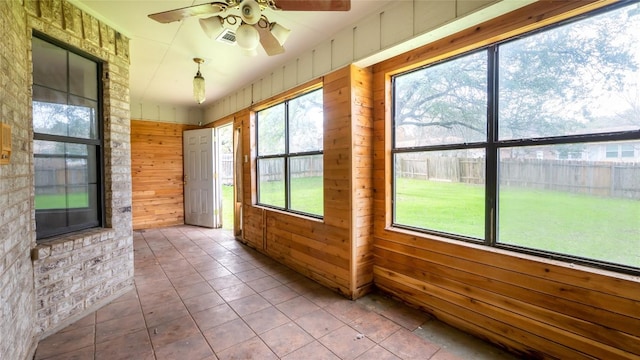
(286, 155)
(492, 147)
(98, 143)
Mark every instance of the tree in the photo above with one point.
(556, 82)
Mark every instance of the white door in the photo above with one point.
(199, 179)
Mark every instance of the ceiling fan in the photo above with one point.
(253, 25)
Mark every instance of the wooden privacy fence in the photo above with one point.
(226, 169)
(304, 166)
(599, 178)
(60, 181)
(466, 170)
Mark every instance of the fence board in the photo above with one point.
(597, 178)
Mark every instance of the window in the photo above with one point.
(67, 142)
(620, 151)
(290, 155)
(612, 151)
(500, 145)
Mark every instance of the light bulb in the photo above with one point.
(247, 37)
(280, 32)
(198, 88)
(212, 26)
(250, 11)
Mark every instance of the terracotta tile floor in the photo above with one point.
(202, 295)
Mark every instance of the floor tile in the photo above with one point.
(377, 302)
(249, 304)
(253, 348)
(211, 274)
(266, 319)
(406, 345)
(405, 316)
(175, 312)
(279, 294)
(130, 295)
(202, 302)
(236, 292)
(209, 318)
(347, 311)
(375, 327)
(286, 338)
(312, 351)
(228, 334)
(303, 286)
(319, 323)
(323, 297)
(80, 354)
(117, 310)
(297, 307)
(89, 320)
(190, 279)
(347, 343)
(239, 267)
(202, 260)
(264, 283)
(443, 354)
(456, 342)
(165, 313)
(149, 301)
(64, 342)
(208, 265)
(172, 331)
(250, 275)
(287, 276)
(193, 290)
(379, 353)
(194, 347)
(131, 346)
(225, 282)
(110, 329)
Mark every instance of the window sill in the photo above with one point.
(293, 214)
(69, 242)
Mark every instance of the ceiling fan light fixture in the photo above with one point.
(212, 26)
(280, 32)
(199, 94)
(250, 52)
(247, 37)
(250, 11)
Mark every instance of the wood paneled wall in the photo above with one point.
(157, 173)
(334, 251)
(361, 119)
(532, 306)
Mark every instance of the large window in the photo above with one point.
(67, 140)
(528, 144)
(290, 160)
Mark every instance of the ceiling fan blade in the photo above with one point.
(268, 41)
(314, 5)
(195, 10)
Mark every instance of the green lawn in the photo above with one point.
(306, 194)
(599, 228)
(59, 201)
(606, 229)
(227, 207)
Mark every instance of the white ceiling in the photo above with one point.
(162, 66)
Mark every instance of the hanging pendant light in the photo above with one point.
(198, 84)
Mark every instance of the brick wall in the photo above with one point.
(43, 287)
(17, 296)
